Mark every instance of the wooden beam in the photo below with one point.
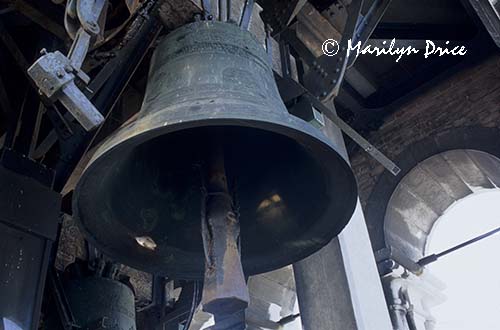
(13, 49)
(40, 18)
(5, 106)
(2, 140)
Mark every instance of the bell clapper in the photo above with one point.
(224, 291)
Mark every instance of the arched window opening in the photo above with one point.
(464, 186)
(471, 274)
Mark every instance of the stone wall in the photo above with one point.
(468, 98)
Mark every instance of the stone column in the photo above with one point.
(339, 288)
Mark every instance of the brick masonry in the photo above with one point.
(468, 98)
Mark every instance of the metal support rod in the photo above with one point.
(207, 8)
(367, 25)
(286, 65)
(36, 130)
(225, 291)
(246, 16)
(488, 13)
(26, 128)
(434, 257)
(269, 44)
(349, 32)
(361, 141)
(79, 48)
(348, 130)
(224, 10)
(43, 147)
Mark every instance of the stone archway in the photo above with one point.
(485, 139)
(419, 199)
(432, 186)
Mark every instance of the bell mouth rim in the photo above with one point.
(296, 129)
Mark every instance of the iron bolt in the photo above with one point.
(60, 74)
(94, 28)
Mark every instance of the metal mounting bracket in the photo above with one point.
(296, 90)
(55, 74)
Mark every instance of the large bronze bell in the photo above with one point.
(140, 198)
